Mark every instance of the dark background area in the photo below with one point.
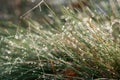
(11, 10)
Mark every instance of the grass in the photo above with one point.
(84, 46)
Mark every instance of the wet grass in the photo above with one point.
(84, 46)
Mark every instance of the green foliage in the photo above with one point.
(85, 44)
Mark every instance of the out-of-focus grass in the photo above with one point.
(83, 46)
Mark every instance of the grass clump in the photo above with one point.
(84, 46)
